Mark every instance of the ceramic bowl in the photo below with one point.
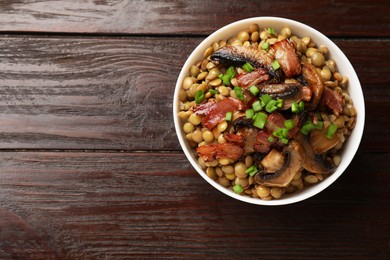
(344, 67)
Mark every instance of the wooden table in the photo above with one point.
(90, 166)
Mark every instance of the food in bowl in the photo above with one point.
(266, 112)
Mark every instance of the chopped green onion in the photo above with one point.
(319, 125)
(254, 90)
(289, 124)
(280, 133)
(275, 65)
(247, 67)
(297, 107)
(199, 96)
(331, 131)
(271, 106)
(226, 79)
(238, 188)
(270, 139)
(307, 127)
(271, 31)
(229, 116)
(252, 170)
(213, 91)
(249, 113)
(265, 45)
(301, 105)
(294, 107)
(265, 99)
(284, 140)
(228, 75)
(279, 102)
(256, 106)
(260, 120)
(239, 93)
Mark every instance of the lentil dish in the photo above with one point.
(266, 112)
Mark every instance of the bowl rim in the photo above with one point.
(350, 148)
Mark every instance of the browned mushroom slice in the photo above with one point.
(313, 163)
(239, 55)
(320, 143)
(294, 157)
(273, 161)
(315, 84)
(289, 92)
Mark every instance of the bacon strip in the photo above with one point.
(216, 111)
(233, 138)
(263, 145)
(253, 78)
(287, 57)
(210, 152)
(333, 99)
(274, 122)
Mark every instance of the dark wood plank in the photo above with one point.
(116, 93)
(154, 205)
(352, 18)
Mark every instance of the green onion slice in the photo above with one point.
(289, 124)
(229, 116)
(238, 188)
(331, 131)
(228, 75)
(213, 91)
(252, 170)
(271, 106)
(319, 125)
(249, 113)
(264, 99)
(247, 67)
(256, 106)
(239, 93)
(307, 127)
(254, 90)
(275, 65)
(199, 96)
(260, 120)
(271, 31)
(265, 45)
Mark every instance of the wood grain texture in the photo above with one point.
(352, 18)
(116, 93)
(111, 206)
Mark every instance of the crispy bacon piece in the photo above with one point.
(306, 93)
(333, 99)
(233, 138)
(255, 77)
(263, 145)
(314, 81)
(287, 57)
(210, 152)
(274, 122)
(216, 111)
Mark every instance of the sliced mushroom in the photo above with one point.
(294, 157)
(239, 55)
(320, 143)
(289, 92)
(314, 163)
(273, 161)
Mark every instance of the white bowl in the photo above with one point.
(344, 67)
